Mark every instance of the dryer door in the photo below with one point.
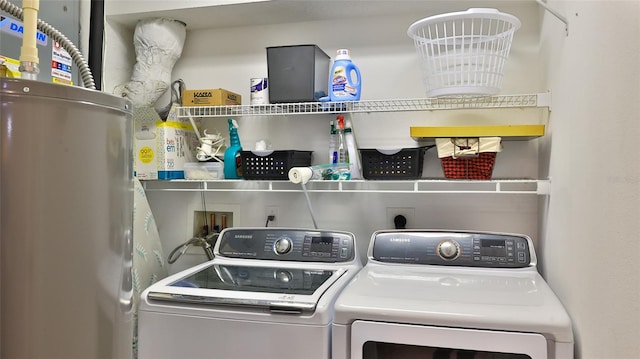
(390, 340)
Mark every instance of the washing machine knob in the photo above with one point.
(448, 249)
(283, 276)
(283, 245)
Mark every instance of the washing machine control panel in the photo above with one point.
(286, 244)
(453, 248)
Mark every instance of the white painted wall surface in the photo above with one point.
(591, 240)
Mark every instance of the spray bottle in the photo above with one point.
(232, 160)
(333, 139)
(352, 149)
(343, 152)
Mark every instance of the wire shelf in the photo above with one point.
(367, 106)
(425, 186)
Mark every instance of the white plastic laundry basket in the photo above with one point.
(464, 53)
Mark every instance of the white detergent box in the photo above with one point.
(144, 142)
(162, 147)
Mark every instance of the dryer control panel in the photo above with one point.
(286, 244)
(453, 248)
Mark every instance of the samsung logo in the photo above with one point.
(243, 236)
(400, 240)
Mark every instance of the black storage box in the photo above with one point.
(272, 165)
(298, 73)
(402, 164)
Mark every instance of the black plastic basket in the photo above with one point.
(272, 165)
(404, 164)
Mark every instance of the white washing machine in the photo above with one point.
(268, 293)
(454, 295)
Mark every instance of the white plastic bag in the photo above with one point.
(158, 44)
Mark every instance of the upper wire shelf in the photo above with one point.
(366, 106)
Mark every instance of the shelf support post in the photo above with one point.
(553, 12)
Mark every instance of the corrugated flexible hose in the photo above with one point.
(78, 59)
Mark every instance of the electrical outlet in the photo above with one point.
(407, 212)
(271, 211)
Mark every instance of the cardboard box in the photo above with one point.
(298, 73)
(162, 148)
(210, 97)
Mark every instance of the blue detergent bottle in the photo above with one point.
(344, 79)
(232, 160)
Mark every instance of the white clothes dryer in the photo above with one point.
(268, 293)
(454, 295)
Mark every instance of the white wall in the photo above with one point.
(360, 213)
(591, 240)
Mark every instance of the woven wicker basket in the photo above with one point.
(468, 158)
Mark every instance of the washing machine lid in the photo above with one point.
(276, 286)
(479, 298)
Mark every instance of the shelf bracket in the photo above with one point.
(544, 100)
(553, 12)
(544, 188)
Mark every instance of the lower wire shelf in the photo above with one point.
(433, 186)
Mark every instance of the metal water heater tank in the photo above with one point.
(66, 220)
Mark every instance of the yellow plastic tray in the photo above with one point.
(507, 132)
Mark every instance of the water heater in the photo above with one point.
(66, 217)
